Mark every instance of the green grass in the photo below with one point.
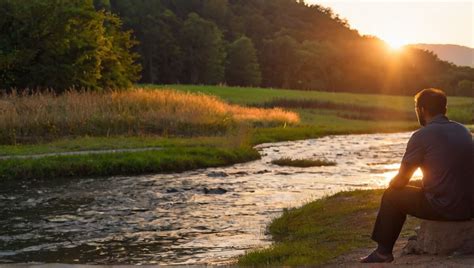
(319, 231)
(314, 123)
(170, 159)
(286, 161)
(460, 108)
(120, 142)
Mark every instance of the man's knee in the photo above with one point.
(391, 194)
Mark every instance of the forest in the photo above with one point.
(261, 43)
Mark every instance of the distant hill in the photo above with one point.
(459, 55)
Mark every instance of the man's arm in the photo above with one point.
(404, 175)
(412, 159)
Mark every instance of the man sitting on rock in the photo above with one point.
(443, 150)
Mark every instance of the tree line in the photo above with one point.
(268, 43)
(275, 43)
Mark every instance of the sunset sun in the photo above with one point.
(395, 43)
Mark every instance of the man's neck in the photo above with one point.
(430, 118)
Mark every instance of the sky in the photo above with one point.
(401, 22)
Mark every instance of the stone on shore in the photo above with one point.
(442, 238)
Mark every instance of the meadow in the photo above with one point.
(327, 113)
(32, 118)
(460, 108)
(184, 121)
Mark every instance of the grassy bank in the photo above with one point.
(171, 158)
(192, 130)
(319, 231)
(224, 119)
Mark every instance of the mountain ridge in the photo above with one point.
(456, 54)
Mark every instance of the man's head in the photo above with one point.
(430, 102)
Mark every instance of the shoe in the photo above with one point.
(376, 257)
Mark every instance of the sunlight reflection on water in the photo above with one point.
(206, 216)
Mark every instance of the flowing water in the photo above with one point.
(207, 216)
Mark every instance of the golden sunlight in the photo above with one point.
(395, 44)
(392, 170)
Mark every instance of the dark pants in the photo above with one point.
(396, 205)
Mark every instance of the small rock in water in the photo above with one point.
(215, 174)
(241, 173)
(262, 171)
(217, 190)
(172, 190)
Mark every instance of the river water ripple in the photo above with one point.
(206, 216)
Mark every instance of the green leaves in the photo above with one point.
(242, 65)
(203, 49)
(59, 44)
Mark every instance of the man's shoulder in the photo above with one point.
(449, 126)
(459, 125)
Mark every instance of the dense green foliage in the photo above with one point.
(271, 43)
(242, 65)
(203, 51)
(298, 46)
(59, 44)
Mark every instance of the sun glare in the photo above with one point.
(395, 44)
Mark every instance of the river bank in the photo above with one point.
(320, 231)
(204, 216)
(203, 135)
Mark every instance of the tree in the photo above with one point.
(242, 66)
(279, 59)
(465, 88)
(59, 44)
(118, 68)
(203, 50)
(102, 4)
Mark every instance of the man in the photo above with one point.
(443, 150)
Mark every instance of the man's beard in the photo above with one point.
(421, 119)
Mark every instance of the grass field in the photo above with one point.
(331, 113)
(460, 108)
(185, 117)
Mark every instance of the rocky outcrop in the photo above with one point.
(442, 238)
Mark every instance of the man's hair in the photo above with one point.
(433, 100)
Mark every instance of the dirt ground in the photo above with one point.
(351, 259)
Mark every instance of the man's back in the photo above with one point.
(443, 150)
(472, 180)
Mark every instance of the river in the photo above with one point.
(206, 216)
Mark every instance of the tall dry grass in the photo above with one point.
(46, 116)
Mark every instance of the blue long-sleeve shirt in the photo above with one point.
(443, 149)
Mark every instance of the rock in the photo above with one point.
(217, 190)
(262, 171)
(215, 174)
(241, 173)
(172, 190)
(442, 238)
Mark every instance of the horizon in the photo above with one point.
(418, 25)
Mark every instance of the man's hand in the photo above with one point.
(403, 177)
